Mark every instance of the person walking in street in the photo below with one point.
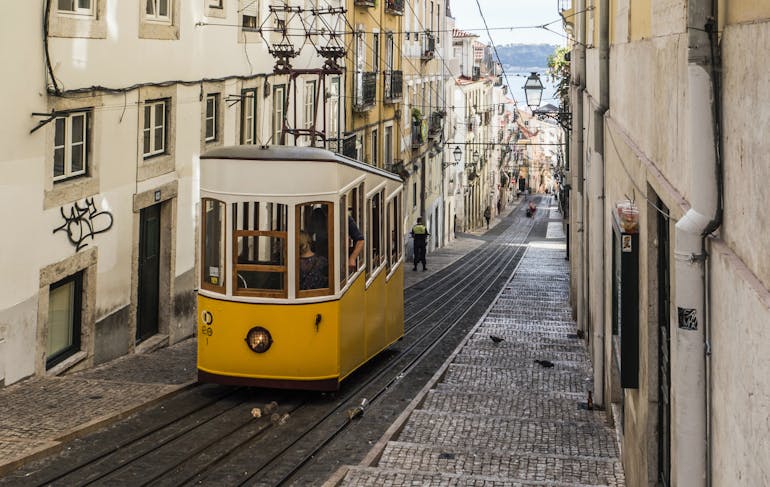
(420, 236)
(488, 215)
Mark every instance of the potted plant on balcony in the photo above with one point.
(416, 115)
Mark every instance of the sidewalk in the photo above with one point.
(492, 415)
(40, 415)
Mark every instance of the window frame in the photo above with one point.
(373, 267)
(67, 145)
(310, 105)
(156, 17)
(223, 245)
(330, 232)
(375, 149)
(250, 95)
(76, 314)
(279, 108)
(153, 127)
(76, 10)
(249, 9)
(214, 117)
(283, 269)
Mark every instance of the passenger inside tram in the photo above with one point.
(313, 268)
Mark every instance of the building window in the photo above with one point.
(70, 150)
(216, 4)
(414, 194)
(64, 319)
(376, 52)
(375, 148)
(77, 7)
(334, 110)
(310, 99)
(211, 119)
(249, 116)
(249, 10)
(279, 112)
(155, 128)
(388, 146)
(158, 10)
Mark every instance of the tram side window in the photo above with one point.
(259, 248)
(395, 242)
(213, 232)
(353, 201)
(314, 220)
(374, 237)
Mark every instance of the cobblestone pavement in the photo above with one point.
(39, 415)
(495, 417)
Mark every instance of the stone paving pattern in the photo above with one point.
(497, 418)
(40, 414)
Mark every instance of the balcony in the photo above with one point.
(436, 126)
(365, 3)
(394, 84)
(365, 91)
(394, 7)
(419, 132)
(428, 46)
(349, 146)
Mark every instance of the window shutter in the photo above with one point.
(249, 7)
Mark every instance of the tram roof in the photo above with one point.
(291, 153)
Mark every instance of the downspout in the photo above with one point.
(690, 457)
(599, 216)
(577, 162)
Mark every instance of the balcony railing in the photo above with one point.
(394, 84)
(419, 133)
(365, 3)
(428, 45)
(395, 7)
(366, 91)
(349, 146)
(436, 125)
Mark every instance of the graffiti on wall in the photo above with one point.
(82, 221)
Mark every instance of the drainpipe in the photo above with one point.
(599, 216)
(688, 367)
(578, 60)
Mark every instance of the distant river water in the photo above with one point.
(517, 76)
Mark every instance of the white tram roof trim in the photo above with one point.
(291, 153)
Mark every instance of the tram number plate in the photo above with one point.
(206, 330)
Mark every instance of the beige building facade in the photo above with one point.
(671, 276)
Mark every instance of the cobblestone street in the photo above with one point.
(496, 417)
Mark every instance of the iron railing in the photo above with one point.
(394, 84)
(428, 46)
(366, 90)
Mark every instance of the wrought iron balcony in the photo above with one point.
(349, 146)
(394, 83)
(428, 45)
(365, 3)
(365, 90)
(395, 7)
(419, 132)
(436, 125)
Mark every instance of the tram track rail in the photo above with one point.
(232, 448)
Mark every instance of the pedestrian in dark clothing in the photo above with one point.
(488, 215)
(420, 235)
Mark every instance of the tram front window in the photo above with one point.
(259, 232)
(213, 245)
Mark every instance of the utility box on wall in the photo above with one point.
(625, 293)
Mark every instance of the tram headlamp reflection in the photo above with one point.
(258, 339)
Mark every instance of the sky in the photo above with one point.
(510, 13)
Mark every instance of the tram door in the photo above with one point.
(664, 352)
(149, 273)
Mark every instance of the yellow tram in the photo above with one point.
(290, 297)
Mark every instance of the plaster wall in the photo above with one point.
(648, 99)
(746, 89)
(741, 372)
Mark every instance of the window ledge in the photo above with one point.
(67, 364)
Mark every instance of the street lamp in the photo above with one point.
(457, 154)
(533, 92)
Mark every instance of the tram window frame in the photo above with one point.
(395, 242)
(206, 247)
(374, 232)
(278, 213)
(353, 206)
(303, 222)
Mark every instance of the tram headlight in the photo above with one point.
(258, 339)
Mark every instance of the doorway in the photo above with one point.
(664, 348)
(148, 293)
